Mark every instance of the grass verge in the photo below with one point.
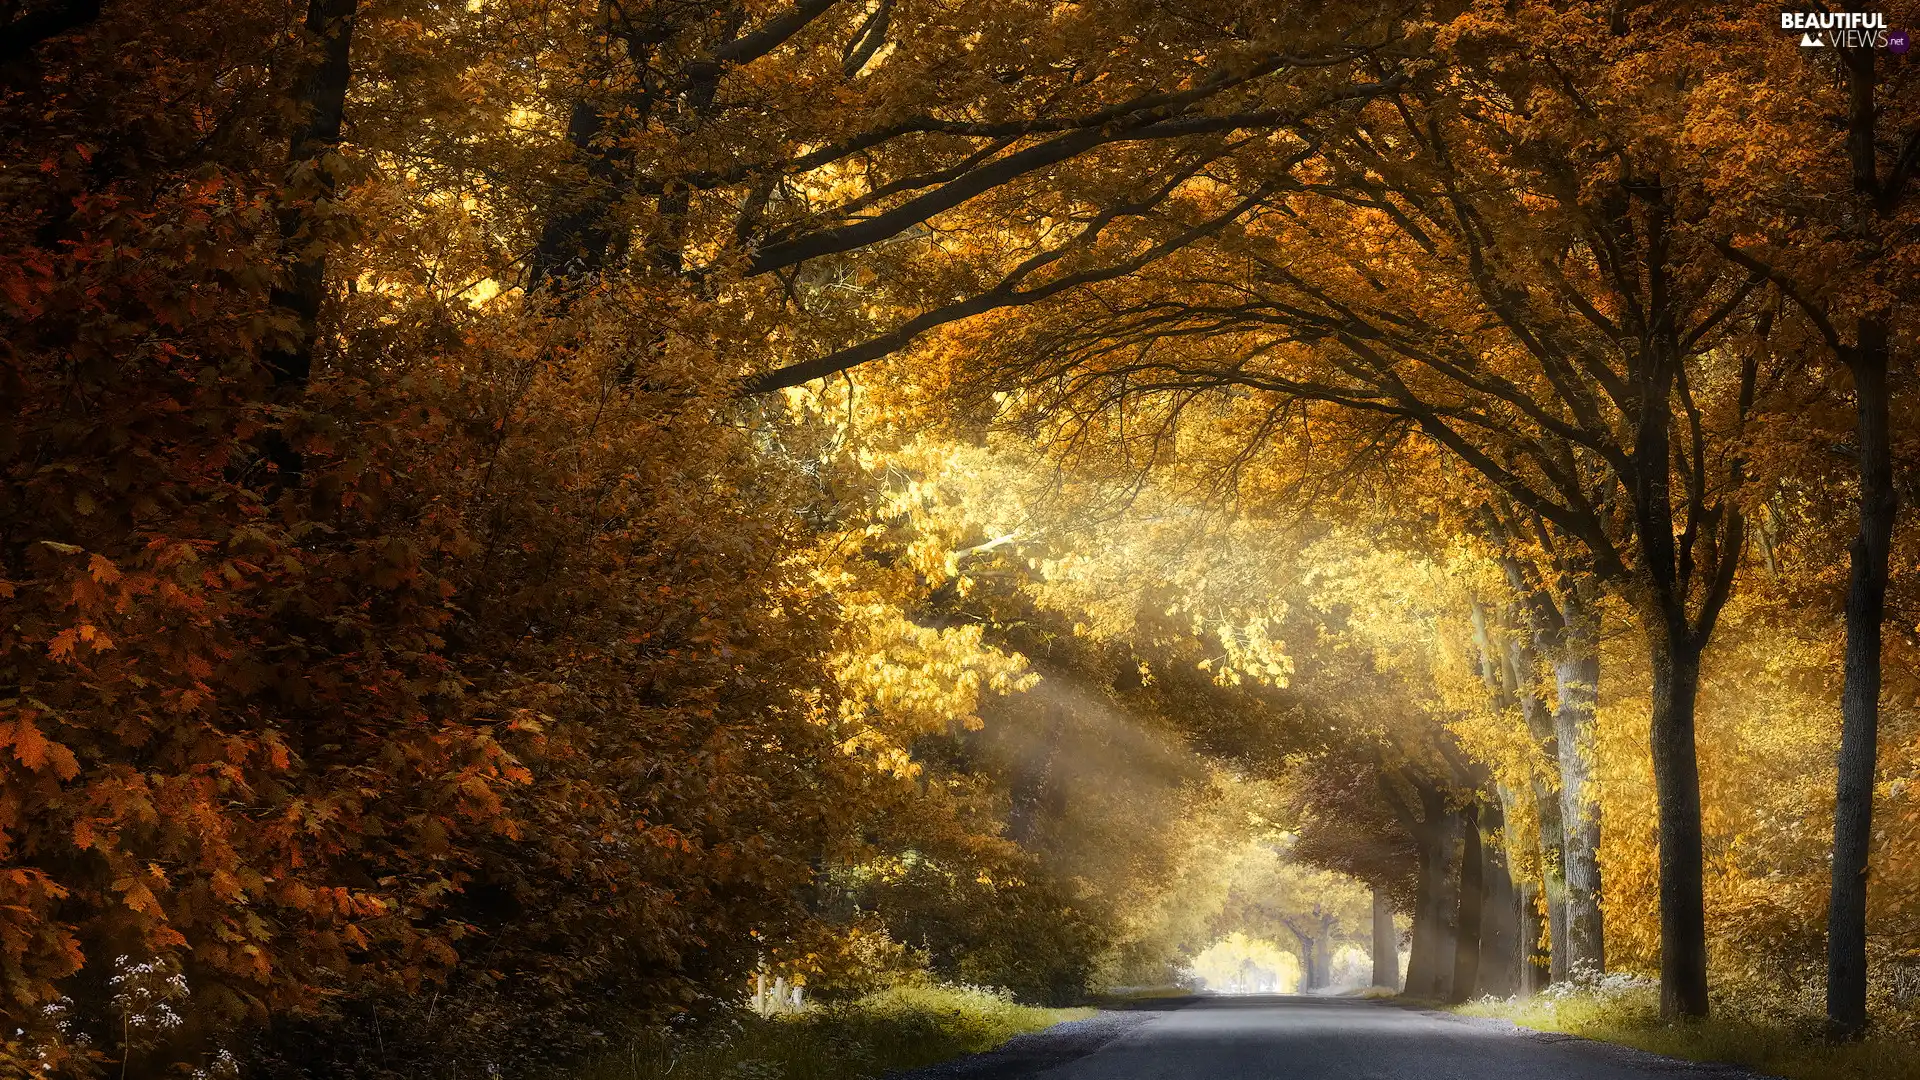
(1130, 994)
(1778, 1047)
(895, 1029)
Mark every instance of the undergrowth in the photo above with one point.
(1756, 1035)
(901, 1028)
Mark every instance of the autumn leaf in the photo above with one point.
(103, 571)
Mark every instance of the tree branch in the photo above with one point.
(1004, 295)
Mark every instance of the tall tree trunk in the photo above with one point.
(1509, 673)
(580, 228)
(320, 101)
(1534, 972)
(1386, 943)
(1500, 947)
(1553, 878)
(1308, 957)
(1323, 954)
(1676, 780)
(1576, 671)
(1675, 636)
(1860, 693)
(1553, 843)
(1553, 831)
(583, 231)
(1430, 966)
(1466, 956)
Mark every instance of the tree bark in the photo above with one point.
(1533, 926)
(580, 227)
(1500, 948)
(1553, 836)
(1308, 957)
(320, 100)
(1430, 967)
(1576, 672)
(1466, 956)
(1676, 778)
(1675, 636)
(1323, 955)
(1509, 673)
(1386, 943)
(582, 232)
(1860, 692)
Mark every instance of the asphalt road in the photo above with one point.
(1283, 1038)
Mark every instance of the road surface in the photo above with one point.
(1305, 1038)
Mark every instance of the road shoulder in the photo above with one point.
(1033, 1053)
(1594, 1049)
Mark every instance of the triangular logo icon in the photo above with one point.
(1808, 41)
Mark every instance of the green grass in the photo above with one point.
(1143, 993)
(1630, 1015)
(895, 1029)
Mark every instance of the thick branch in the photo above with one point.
(1005, 295)
(1814, 312)
(1140, 127)
(771, 34)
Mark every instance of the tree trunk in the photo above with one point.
(1386, 943)
(320, 101)
(1430, 967)
(1424, 978)
(1576, 672)
(1535, 970)
(1466, 956)
(580, 228)
(1510, 675)
(1323, 955)
(1547, 801)
(1500, 948)
(1307, 958)
(1553, 875)
(1676, 779)
(1860, 693)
